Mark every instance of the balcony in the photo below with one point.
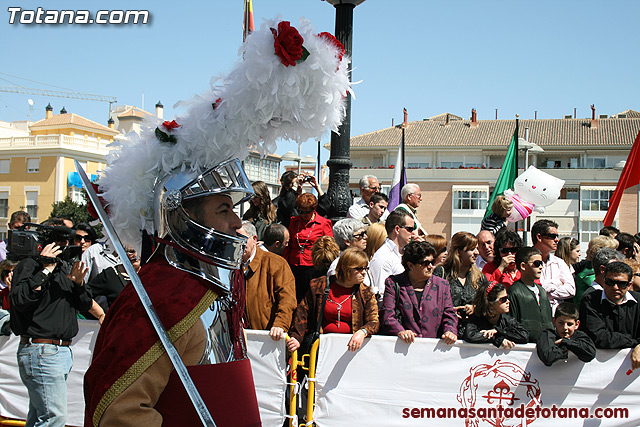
(56, 142)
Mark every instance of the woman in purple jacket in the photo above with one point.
(416, 303)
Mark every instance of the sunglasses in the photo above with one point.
(307, 212)
(81, 238)
(622, 284)
(503, 299)
(537, 263)
(552, 236)
(636, 274)
(361, 269)
(426, 262)
(360, 235)
(409, 228)
(374, 188)
(508, 250)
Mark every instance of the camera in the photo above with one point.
(29, 243)
(306, 178)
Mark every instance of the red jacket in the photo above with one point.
(303, 236)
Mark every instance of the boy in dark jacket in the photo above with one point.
(529, 302)
(554, 345)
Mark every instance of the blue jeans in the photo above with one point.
(44, 369)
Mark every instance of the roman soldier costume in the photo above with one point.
(291, 83)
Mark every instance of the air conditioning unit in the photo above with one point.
(622, 116)
(603, 116)
(568, 116)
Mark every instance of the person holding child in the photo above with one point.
(490, 322)
(529, 301)
(555, 344)
(500, 211)
(503, 267)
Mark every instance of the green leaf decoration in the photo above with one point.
(305, 55)
(165, 137)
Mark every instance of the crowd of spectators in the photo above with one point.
(380, 272)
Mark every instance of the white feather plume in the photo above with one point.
(261, 100)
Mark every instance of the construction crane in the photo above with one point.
(59, 94)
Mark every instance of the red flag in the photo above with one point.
(629, 177)
(247, 24)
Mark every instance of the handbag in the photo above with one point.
(311, 336)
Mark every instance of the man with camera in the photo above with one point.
(47, 293)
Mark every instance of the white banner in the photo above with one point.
(390, 383)
(267, 362)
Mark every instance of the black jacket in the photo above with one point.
(580, 344)
(50, 312)
(507, 328)
(610, 325)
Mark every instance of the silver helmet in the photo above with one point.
(192, 246)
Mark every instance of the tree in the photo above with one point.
(76, 212)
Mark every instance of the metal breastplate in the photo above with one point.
(225, 343)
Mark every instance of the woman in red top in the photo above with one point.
(503, 267)
(350, 308)
(304, 230)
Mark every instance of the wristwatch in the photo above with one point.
(366, 333)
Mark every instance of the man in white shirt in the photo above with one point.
(388, 259)
(360, 208)
(556, 277)
(485, 247)
(411, 199)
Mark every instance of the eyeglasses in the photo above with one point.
(503, 299)
(552, 236)
(508, 250)
(409, 228)
(537, 263)
(374, 188)
(419, 196)
(361, 269)
(426, 262)
(81, 238)
(360, 235)
(622, 284)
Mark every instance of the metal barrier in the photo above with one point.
(10, 422)
(307, 362)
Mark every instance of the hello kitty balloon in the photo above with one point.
(533, 191)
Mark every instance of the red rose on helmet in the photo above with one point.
(170, 125)
(334, 41)
(287, 43)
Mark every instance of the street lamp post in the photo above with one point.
(526, 146)
(340, 158)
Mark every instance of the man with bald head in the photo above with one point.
(485, 247)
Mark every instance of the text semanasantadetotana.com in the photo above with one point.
(18, 15)
(517, 412)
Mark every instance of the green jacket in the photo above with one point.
(583, 278)
(525, 309)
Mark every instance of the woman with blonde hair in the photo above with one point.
(262, 211)
(440, 244)
(568, 251)
(340, 304)
(463, 275)
(583, 274)
(376, 235)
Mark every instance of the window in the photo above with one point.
(590, 229)
(596, 163)
(469, 200)
(418, 165)
(32, 203)
(596, 199)
(5, 165)
(33, 165)
(572, 194)
(75, 194)
(4, 204)
(451, 165)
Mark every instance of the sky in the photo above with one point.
(430, 57)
